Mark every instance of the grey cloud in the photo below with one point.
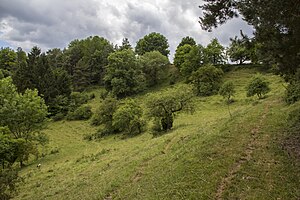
(54, 23)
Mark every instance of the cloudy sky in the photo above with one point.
(54, 23)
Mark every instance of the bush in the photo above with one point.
(258, 86)
(84, 112)
(293, 90)
(8, 181)
(206, 80)
(128, 118)
(77, 99)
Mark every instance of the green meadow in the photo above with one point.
(219, 152)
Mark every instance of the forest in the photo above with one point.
(216, 123)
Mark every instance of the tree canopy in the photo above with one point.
(123, 75)
(162, 106)
(153, 42)
(277, 33)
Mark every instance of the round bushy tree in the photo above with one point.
(153, 42)
(206, 80)
(258, 86)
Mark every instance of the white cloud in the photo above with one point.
(54, 23)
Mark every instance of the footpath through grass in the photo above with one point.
(207, 155)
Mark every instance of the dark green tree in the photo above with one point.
(154, 66)
(207, 80)
(258, 86)
(125, 45)
(163, 106)
(277, 34)
(23, 115)
(8, 59)
(214, 52)
(124, 74)
(187, 40)
(128, 118)
(153, 42)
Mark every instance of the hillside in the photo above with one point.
(207, 155)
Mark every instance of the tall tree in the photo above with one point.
(123, 75)
(23, 114)
(278, 34)
(153, 42)
(187, 40)
(214, 52)
(125, 44)
(154, 66)
(8, 60)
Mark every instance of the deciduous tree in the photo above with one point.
(153, 42)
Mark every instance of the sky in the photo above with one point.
(55, 23)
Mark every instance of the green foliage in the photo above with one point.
(258, 86)
(189, 58)
(115, 117)
(154, 66)
(83, 112)
(125, 45)
(227, 90)
(104, 113)
(38, 74)
(77, 99)
(239, 51)
(8, 183)
(162, 106)
(278, 34)
(214, 52)
(180, 54)
(153, 42)
(8, 59)
(292, 93)
(24, 113)
(207, 80)
(124, 75)
(187, 40)
(128, 118)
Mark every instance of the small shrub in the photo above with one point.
(292, 93)
(227, 91)
(84, 112)
(258, 86)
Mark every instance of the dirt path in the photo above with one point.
(226, 181)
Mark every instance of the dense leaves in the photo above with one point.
(278, 34)
(258, 86)
(207, 80)
(124, 75)
(154, 66)
(153, 42)
(128, 118)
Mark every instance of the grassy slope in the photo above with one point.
(207, 155)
